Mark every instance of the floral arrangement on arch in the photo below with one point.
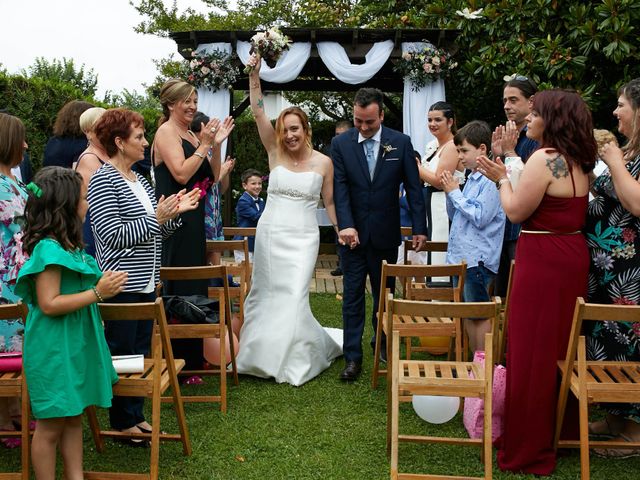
(214, 70)
(425, 65)
(269, 45)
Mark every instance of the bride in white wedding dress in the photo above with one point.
(280, 337)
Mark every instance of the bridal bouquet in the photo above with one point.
(425, 65)
(269, 45)
(214, 70)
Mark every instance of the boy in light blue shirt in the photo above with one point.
(477, 224)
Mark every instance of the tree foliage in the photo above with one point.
(64, 71)
(590, 46)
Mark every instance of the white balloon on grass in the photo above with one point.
(435, 409)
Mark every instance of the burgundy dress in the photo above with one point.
(551, 271)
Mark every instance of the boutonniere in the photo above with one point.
(388, 149)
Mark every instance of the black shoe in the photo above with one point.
(337, 272)
(351, 372)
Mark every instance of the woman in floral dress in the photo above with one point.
(13, 198)
(613, 237)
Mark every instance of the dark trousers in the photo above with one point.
(356, 265)
(507, 254)
(127, 338)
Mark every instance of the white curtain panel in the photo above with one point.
(337, 61)
(215, 104)
(416, 105)
(288, 67)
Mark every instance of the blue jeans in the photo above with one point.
(476, 284)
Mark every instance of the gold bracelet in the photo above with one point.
(98, 296)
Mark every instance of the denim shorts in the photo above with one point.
(476, 284)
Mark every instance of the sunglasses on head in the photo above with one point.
(515, 76)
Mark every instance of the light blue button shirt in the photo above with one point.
(477, 223)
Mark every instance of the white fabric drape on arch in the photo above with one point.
(417, 103)
(288, 67)
(337, 61)
(215, 104)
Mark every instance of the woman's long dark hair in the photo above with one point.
(568, 127)
(54, 213)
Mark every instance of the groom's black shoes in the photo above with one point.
(351, 372)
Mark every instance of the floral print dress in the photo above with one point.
(13, 198)
(613, 237)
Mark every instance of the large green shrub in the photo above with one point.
(36, 102)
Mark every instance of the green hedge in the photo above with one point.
(36, 102)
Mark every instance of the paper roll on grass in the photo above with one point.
(128, 363)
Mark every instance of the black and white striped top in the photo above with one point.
(127, 237)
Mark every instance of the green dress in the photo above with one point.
(66, 358)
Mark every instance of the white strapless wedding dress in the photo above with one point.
(280, 337)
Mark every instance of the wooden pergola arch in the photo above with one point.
(315, 76)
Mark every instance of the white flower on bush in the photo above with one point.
(435, 60)
(205, 70)
(193, 63)
(465, 13)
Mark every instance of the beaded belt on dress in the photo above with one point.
(292, 193)
(546, 232)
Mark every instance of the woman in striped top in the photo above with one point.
(128, 226)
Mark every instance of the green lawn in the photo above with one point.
(322, 430)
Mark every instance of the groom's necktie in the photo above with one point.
(371, 159)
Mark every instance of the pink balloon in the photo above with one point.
(211, 349)
(236, 324)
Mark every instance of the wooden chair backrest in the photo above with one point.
(406, 274)
(14, 310)
(428, 246)
(489, 310)
(141, 311)
(241, 231)
(14, 384)
(205, 272)
(501, 338)
(406, 231)
(595, 312)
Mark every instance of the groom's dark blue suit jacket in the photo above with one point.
(372, 206)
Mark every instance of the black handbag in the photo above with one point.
(191, 309)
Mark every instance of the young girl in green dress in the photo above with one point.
(66, 359)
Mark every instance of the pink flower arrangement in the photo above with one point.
(214, 70)
(425, 65)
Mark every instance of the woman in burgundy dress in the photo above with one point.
(552, 264)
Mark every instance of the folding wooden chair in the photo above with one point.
(221, 330)
(14, 385)
(441, 378)
(229, 246)
(160, 373)
(418, 326)
(595, 381)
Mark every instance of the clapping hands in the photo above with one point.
(111, 283)
(504, 139)
(448, 182)
(170, 207)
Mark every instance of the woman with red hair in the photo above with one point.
(552, 265)
(280, 337)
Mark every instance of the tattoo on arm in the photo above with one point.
(260, 103)
(254, 84)
(558, 167)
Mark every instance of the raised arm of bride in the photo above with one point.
(265, 128)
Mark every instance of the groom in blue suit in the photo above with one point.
(370, 162)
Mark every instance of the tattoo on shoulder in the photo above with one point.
(261, 103)
(558, 167)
